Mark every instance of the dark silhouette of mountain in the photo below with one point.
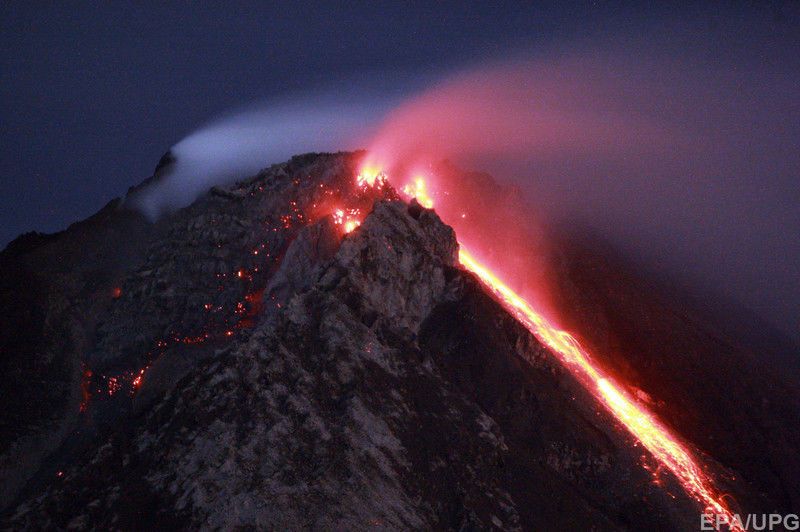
(247, 363)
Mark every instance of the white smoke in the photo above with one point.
(690, 163)
(239, 144)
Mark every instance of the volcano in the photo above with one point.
(309, 349)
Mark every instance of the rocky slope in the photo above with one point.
(244, 363)
(739, 405)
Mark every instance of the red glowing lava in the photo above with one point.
(665, 447)
(137, 381)
(418, 189)
(114, 385)
(370, 185)
(369, 176)
(348, 219)
(637, 419)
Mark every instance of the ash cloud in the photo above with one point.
(690, 165)
(682, 149)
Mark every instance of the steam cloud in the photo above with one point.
(241, 143)
(691, 164)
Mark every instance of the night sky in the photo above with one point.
(91, 96)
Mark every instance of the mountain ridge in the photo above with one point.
(393, 355)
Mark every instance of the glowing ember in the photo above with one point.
(419, 190)
(136, 383)
(349, 225)
(244, 313)
(369, 176)
(349, 219)
(114, 385)
(667, 449)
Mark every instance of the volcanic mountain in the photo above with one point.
(306, 350)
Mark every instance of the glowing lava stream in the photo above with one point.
(636, 418)
(641, 423)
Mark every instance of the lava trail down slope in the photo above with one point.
(304, 349)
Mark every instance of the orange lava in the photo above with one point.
(349, 225)
(349, 219)
(139, 378)
(642, 424)
(419, 190)
(369, 176)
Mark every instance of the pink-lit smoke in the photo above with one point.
(691, 165)
(687, 161)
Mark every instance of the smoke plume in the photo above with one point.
(689, 165)
(687, 161)
(239, 144)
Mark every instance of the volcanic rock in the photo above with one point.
(260, 368)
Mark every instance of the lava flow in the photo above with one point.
(665, 447)
(642, 424)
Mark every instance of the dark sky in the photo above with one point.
(92, 95)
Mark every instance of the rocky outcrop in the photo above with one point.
(250, 365)
(390, 391)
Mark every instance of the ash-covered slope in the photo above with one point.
(739, 404)
(245, 363)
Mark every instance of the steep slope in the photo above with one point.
(87, 310)
(53, 291)
(695, 377)
(254, 361)
(338, 413)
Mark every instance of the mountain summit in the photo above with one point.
(300, 351)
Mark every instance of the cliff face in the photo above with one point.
(244, 362)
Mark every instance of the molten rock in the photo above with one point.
(271, 371)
